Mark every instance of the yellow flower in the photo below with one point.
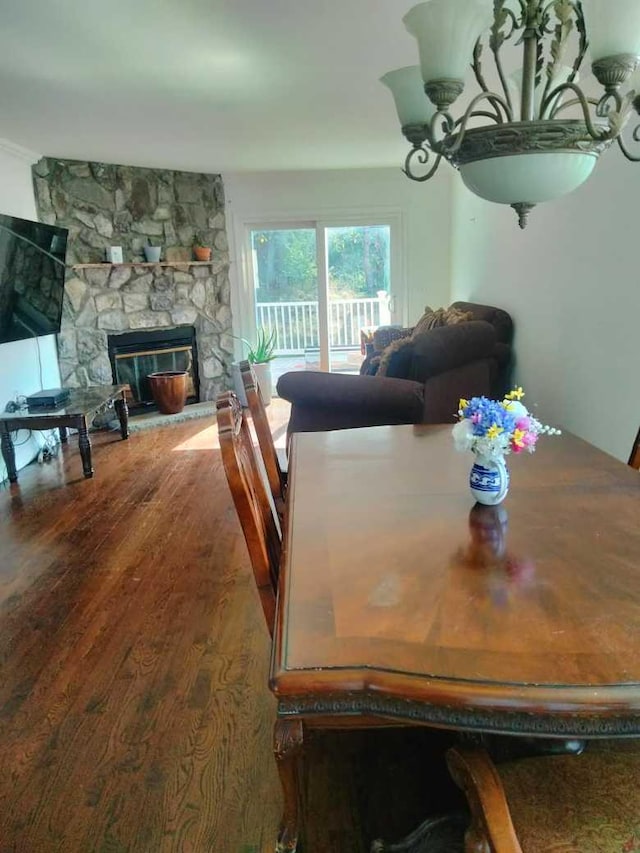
(462, 404)
(494, 431)
(516, 394)
(518, 435)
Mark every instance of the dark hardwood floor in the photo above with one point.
(134, 708)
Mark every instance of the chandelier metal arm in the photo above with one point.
(481, 114)
(572, 103)
(581, 98)
(421, 155)
(477, 70)
(623, 146)
(561, 34)
(500, 33)
(450, 144)
(503, 81)
(444, 118)
(603, 110)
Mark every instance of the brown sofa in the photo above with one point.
(405, 364)
(424, 381)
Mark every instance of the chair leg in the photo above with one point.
(491, 829)
(287, 747)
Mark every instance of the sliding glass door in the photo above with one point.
(358, 262)
(320, 288)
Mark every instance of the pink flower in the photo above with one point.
(524, 424)
(530, 439)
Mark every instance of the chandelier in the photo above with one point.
(539, 136)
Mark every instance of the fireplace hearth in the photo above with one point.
(135, 355)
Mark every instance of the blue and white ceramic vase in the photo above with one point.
(489, 480)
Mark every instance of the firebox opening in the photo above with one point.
(134, 355)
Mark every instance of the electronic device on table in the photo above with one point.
(50, 398)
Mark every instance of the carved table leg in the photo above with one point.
(85, 449)
(63, 434)
(8, 452)
(122, 410)
(287, 747)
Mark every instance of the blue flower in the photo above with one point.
(484, 413)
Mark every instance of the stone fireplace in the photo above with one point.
(104, 301)
(135, 355)
(105, 205)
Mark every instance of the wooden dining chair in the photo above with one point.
(251, 500)
(587, 803)
(634, 459)
(275, 474)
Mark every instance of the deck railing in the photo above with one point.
(296, 323)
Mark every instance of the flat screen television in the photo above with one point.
(32, 275)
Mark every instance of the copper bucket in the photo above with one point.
(169, 389)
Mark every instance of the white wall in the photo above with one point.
(20, 371)
(424, 211)
(571, 283)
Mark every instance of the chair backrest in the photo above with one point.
(251, 500)
(634, 459)
(263, 432)
(586, 802)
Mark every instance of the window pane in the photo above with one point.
(286, 295)
(359, 282)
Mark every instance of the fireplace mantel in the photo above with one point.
(174, 264)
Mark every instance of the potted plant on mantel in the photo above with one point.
(260, 357)
(152, 253)
(202, 253)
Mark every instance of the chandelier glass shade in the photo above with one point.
(535, 135)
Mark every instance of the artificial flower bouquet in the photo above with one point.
(492, 429)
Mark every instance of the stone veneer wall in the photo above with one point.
(102, 205)
(124, 298)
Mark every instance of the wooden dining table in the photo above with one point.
(402, 602)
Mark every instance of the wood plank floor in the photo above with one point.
(134, 709)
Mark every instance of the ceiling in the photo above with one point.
(204, 85)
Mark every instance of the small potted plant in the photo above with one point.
(152, 253)
(202, 253)
(260, 356)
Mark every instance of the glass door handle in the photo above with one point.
(392, 304)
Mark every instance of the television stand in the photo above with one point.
(82, 404)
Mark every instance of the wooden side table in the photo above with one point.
(82, 404)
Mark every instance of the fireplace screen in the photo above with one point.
(135, 355)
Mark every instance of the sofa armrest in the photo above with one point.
(499, 319)
(449, 347)
(324, 401)
(442, 393)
